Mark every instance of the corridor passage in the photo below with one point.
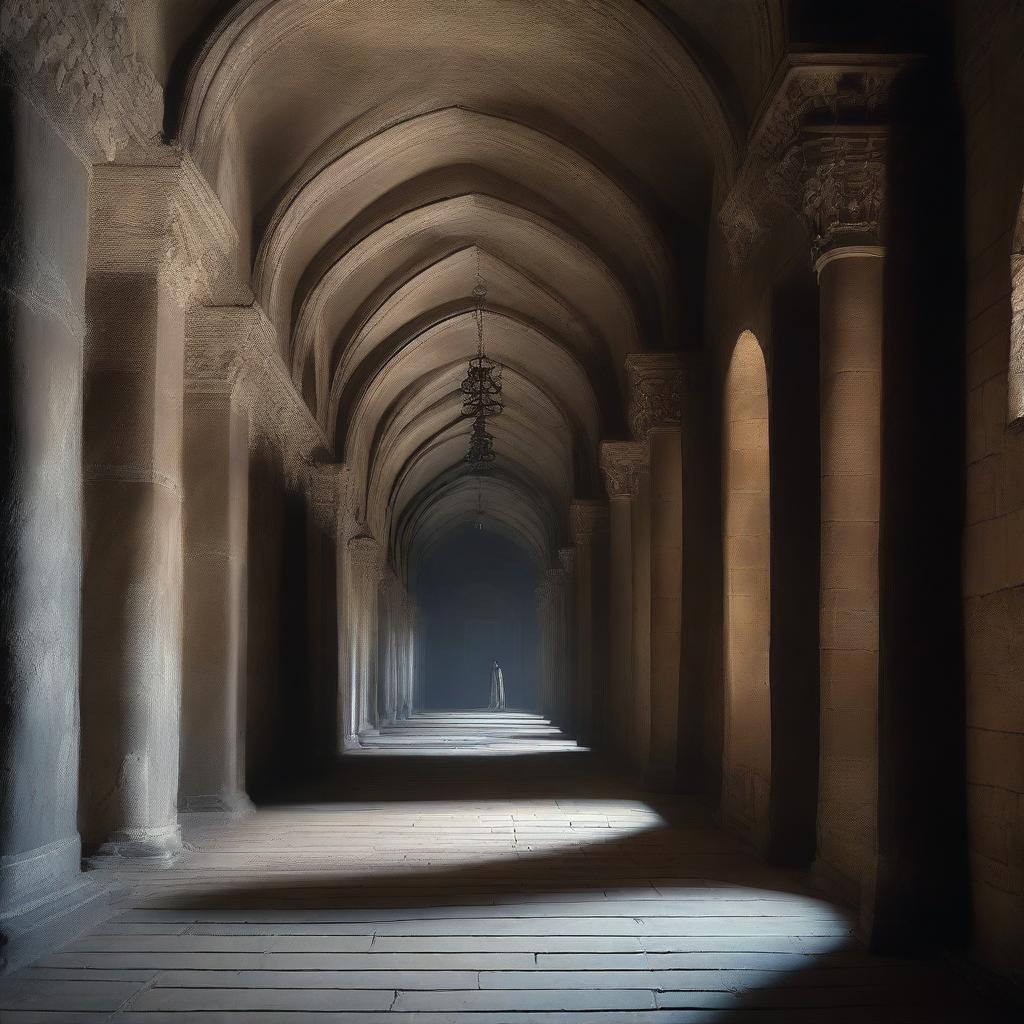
(503, 888)
(468, 732)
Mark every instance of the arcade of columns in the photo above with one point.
(164, 448)
(195, 439)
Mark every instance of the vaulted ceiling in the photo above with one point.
(377, 156)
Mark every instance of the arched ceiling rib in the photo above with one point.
(444, 288)
(408, 458)
(448, 346)
(375, 61)
(370, 271)
(453, 502)
(378, 155)
(336, 187)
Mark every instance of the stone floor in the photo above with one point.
(517, 882)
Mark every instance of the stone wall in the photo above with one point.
(990, 37)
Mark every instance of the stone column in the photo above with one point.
(640, 541)
(621, 463)
(390, 630)
(365, 562)
(545, 648)
(655, 414)
(407, 702)
(42, 289)
(153, 239)
(65, 108)
(216, 527)
(589, 527)
(323, 489)
(566, 639)
(843, 179)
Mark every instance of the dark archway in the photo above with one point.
(476, 596)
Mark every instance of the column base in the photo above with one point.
(835, 884)
(155, 848)
(236, 805)
(53, 923)
(46, 902)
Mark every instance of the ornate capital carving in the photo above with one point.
(234, 349)
(843, 188)
(567, 560)
(815, 97)
(621, 463)
(79, 62)
(550, 588)
(213, 352)
(586, 519)
(163, 218)
(655, 392)
(365, 556)
(323, 484)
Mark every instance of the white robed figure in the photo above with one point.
(497, 689)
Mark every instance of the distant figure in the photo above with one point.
(497, 689)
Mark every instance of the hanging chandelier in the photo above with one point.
(481, 390)
(481, 445)
(481, 387)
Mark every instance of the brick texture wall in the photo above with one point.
(990, 43)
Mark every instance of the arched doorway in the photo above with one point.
(747, 748)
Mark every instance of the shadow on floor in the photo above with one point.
(719, 936)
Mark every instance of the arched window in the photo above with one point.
(747, 749)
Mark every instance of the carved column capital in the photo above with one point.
(162, 218)
(843, 187)
(214, 352)
(655, 392)
(567, 561)
(365, 556)
(791, 164)
(587, 519)
(323, 485)
(621, 463)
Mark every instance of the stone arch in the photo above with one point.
(336, 187)
(1015, 372)
(746, 557)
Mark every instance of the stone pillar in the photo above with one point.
(566, 639)
(640, 544)
(545, 648)
(655, 414)
(390, 630)
(621, 463)
(407, 695)
(64, 109)
(216, 527)
(42, 288)
(365, 562)
(843, 180)
(589, 527)
(323, 489)
(152, 243)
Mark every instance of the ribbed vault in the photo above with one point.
(379, 158)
